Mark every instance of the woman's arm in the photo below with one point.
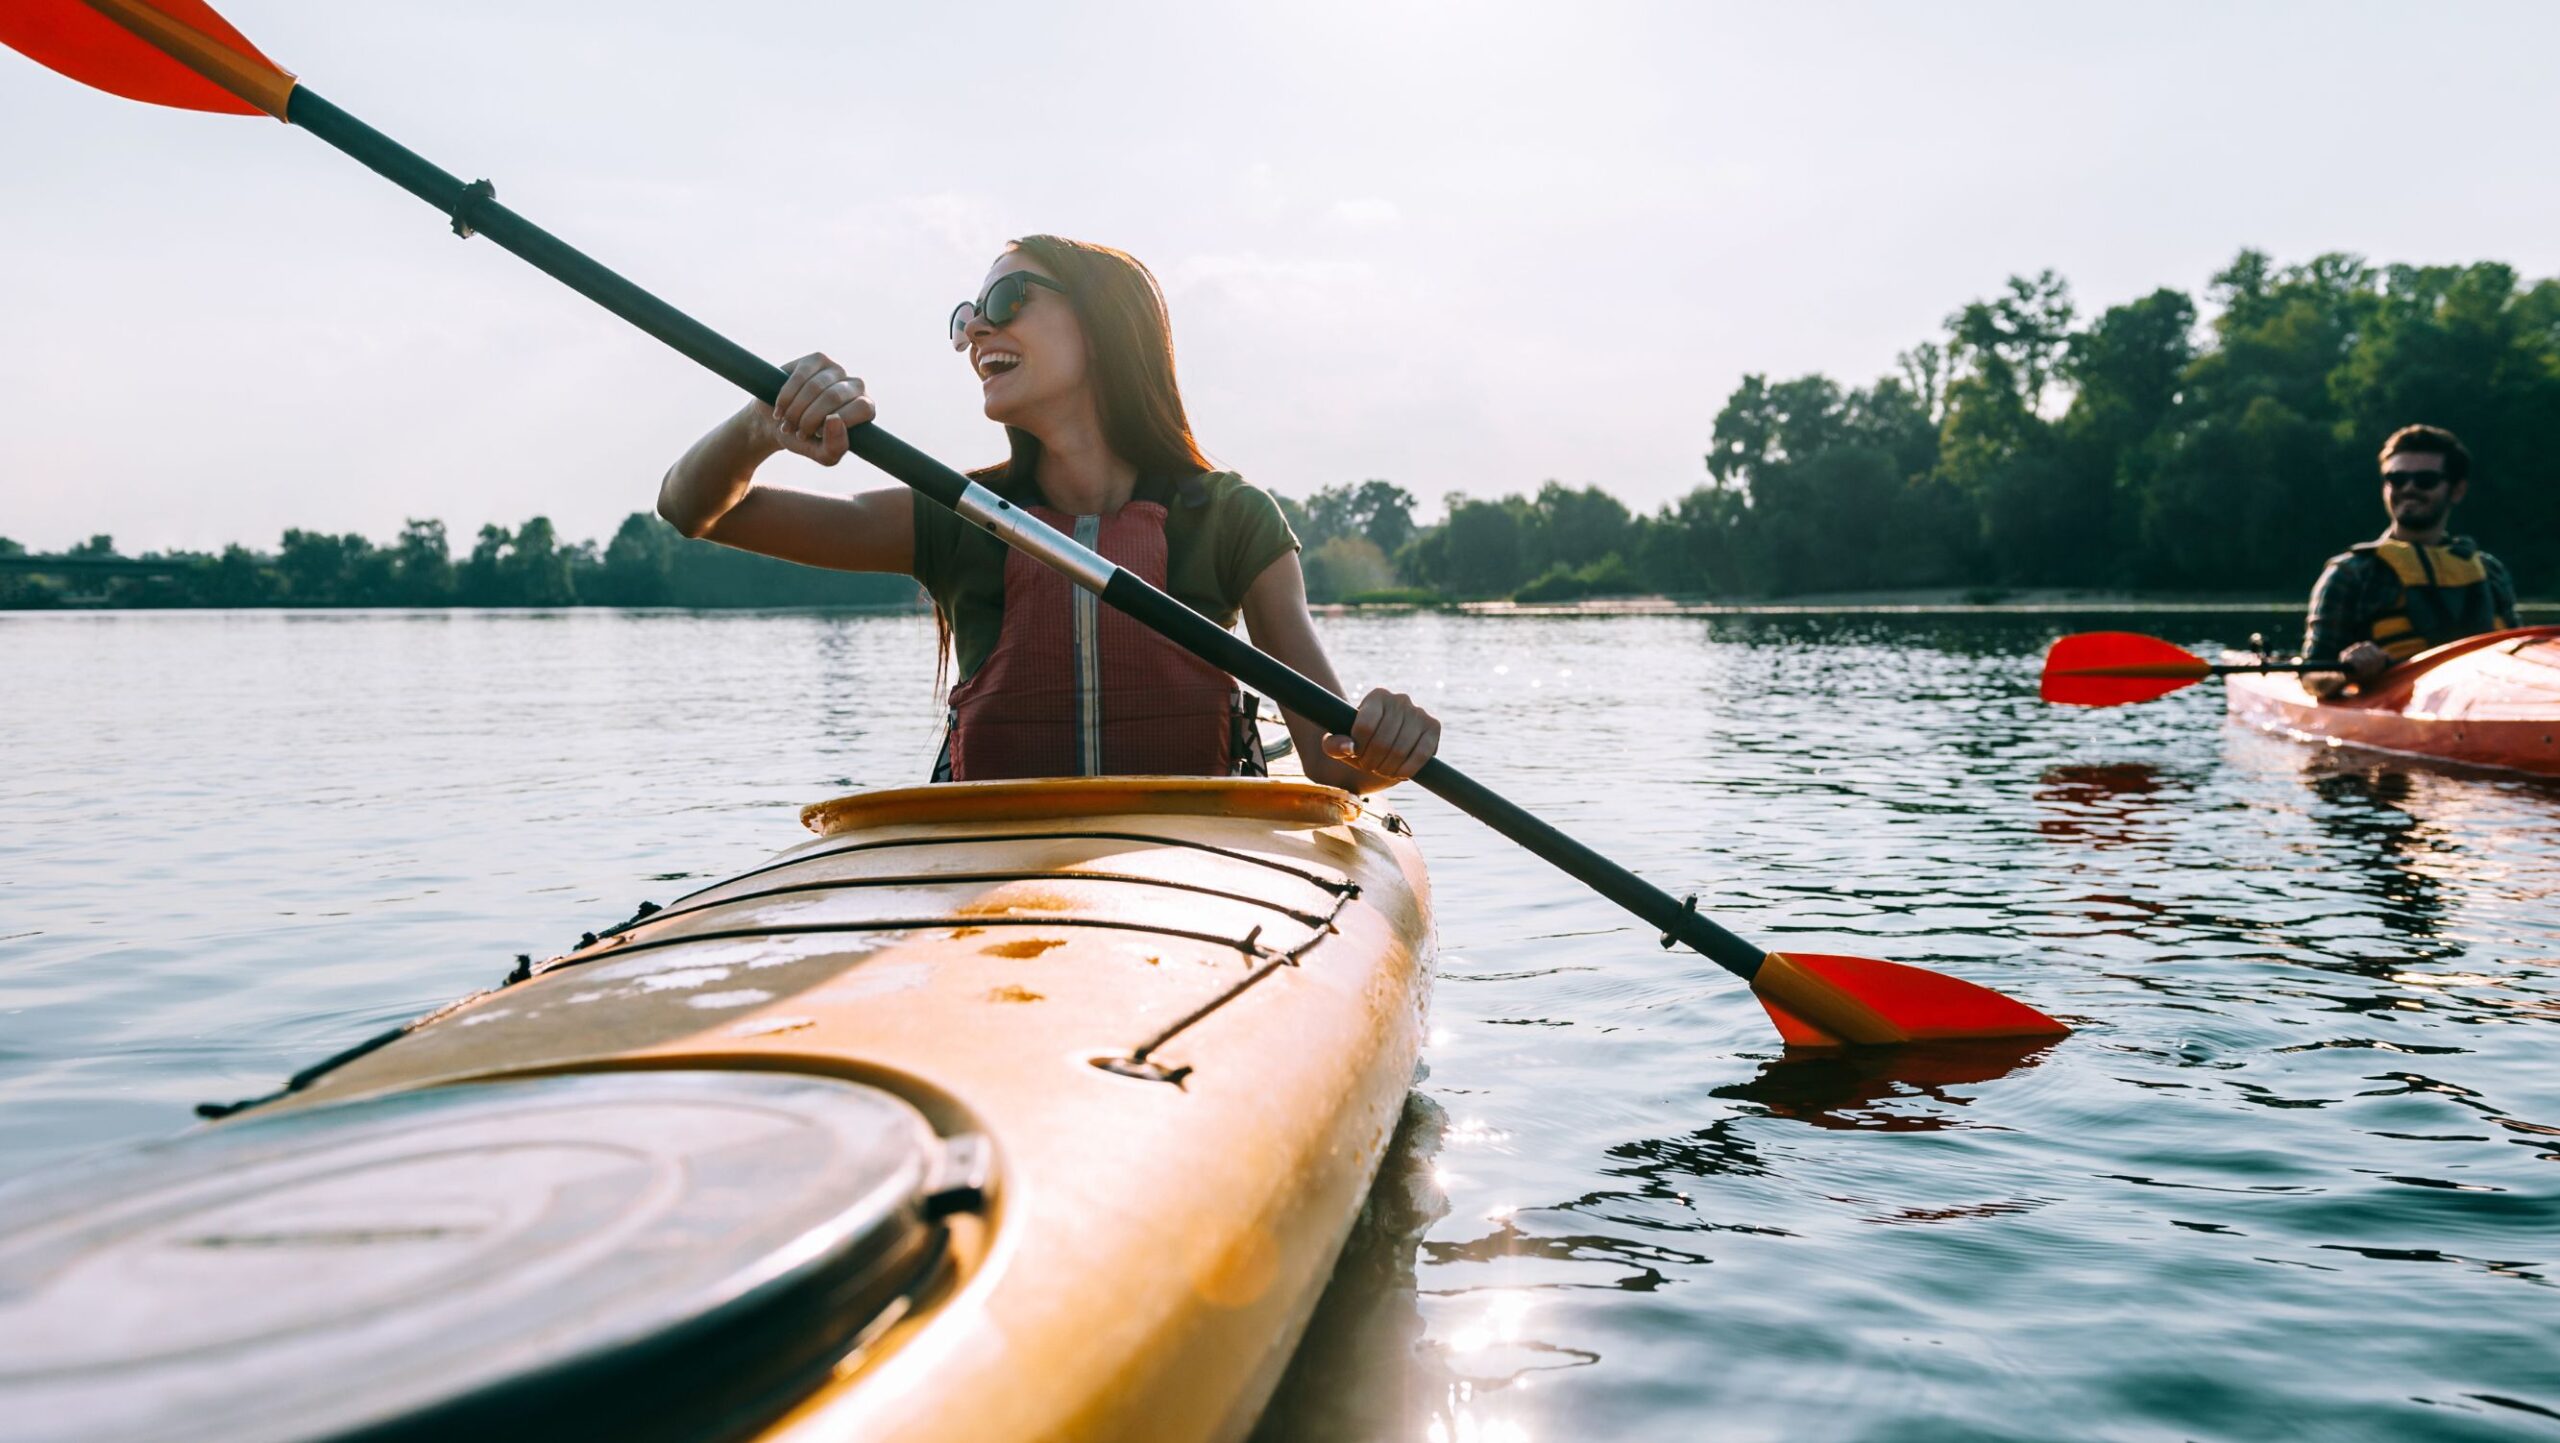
(1392, 737)
(710, 492)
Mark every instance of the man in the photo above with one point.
(2415, 586)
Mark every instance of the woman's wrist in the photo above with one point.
(711, 477)
(751, 439)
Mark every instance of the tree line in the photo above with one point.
(646, 563)
(2024, 445)
(2027, 445)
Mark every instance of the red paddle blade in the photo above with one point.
(166, 52)
(2110, 668)
(1821, 1000)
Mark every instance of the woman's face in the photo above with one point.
(1034, 364)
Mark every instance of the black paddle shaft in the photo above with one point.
(475, 210)
(2246, 668)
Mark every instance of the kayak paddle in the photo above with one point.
(180, 53)
(2111, 668)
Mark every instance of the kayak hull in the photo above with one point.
(1157, 1235)
(2485, 701)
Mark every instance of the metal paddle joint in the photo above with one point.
(474, 195)
(1688, 904)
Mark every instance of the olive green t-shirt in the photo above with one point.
(1213, 551)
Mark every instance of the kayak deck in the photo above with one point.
(2486, 701)
(1183, 1013)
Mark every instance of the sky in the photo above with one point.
(1464, 247)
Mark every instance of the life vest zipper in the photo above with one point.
(1088, 658)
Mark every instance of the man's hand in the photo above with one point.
(2362, 662)
(2365, 661)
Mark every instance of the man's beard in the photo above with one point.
(2425, 514)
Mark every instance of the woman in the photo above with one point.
(1073, 355)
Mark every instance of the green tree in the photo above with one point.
(2126, 369)
(1995, 446)
(1477, 551)
(487, 579)
(17, 589)
(421, 565)
(2248, 491)
(1378, 510)
(1922, 371)
(1573, 529)
(1345, 567)
(1690, 548)
(639, 563)
(324, 570)
(241, 577)
(537, 570)
(1827, 490)
(372, 574)
(586, 571)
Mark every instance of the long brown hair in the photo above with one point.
(1129, 357)
(1129, 346)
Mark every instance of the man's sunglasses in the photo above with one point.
(2423, 480)
(1003, 300)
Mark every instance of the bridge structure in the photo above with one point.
(85, 581)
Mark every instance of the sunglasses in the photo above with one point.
(2423, 480)
(1003, 300)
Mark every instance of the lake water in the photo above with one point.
(2296, 1175)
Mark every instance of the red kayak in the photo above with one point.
(2491, 700)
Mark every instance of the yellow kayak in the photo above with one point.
(1013, 1110)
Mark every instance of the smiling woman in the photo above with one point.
(1074, 357)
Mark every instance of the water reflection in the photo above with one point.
(1362, 1370)
(1386, 1358)
(2109, 805)
(2409, 842)
(1516, 1249)
(2366, 816)
(1896, 1090)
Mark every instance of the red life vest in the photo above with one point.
(1075, 688)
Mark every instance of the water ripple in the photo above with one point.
(2293, 1178)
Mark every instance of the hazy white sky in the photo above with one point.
(1462, 246)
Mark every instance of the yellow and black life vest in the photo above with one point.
(2444, 596)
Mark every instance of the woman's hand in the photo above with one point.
(710, 491)
(817, 407)
(1391, 738)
